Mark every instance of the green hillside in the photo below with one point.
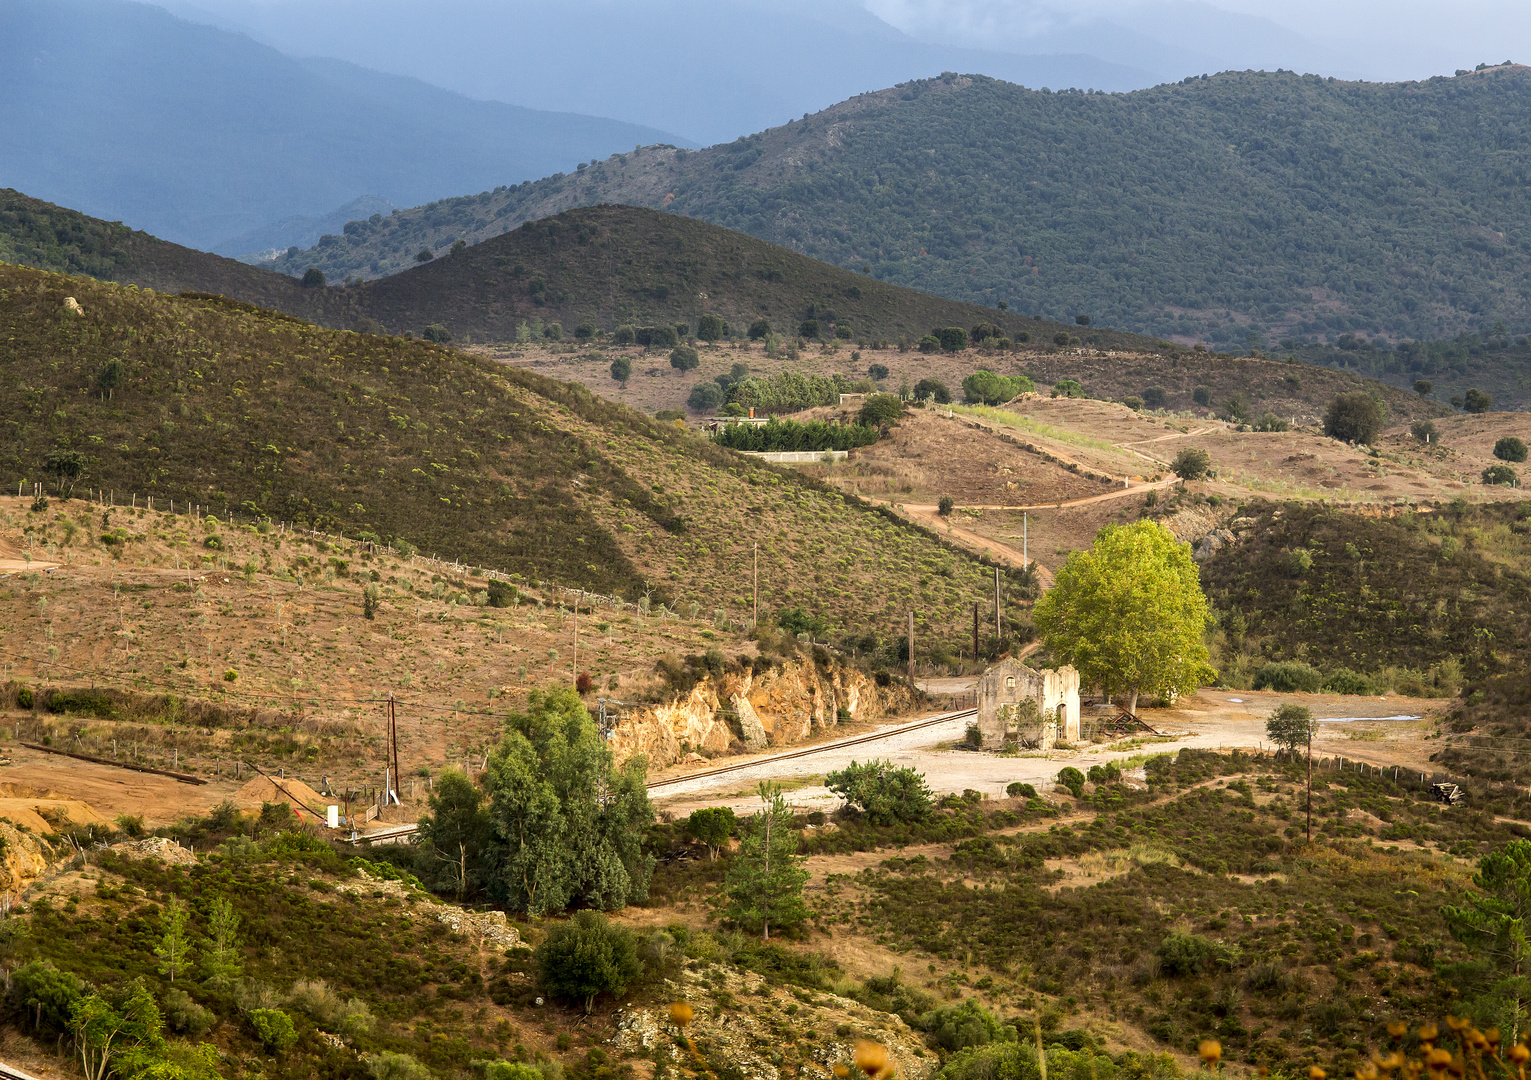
(1244, 204)
(239, 408)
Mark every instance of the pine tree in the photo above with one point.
(174, 948)
(765, 883)
(222, 956)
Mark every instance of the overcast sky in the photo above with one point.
(1375, 39)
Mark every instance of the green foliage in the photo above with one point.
(765, 881)
(1289, 676)
(759, 328)
(221, 957)
(944, 505)
(174, 948)
(969, 1024)
(684, 358)
(1355, 417)
(1500, 475)
(1344, 681)
(388, 1065)
(1129, 613)
(586, 957)
(794, 435)
(928, 389)
(1492, 922)
(711, 327)
(881, 411)
(1291, 728)
(712, 825)
(559, 842)
(313, 278)
(508, 1070)
(1476, 401)
(1069, 388)
(880, 372)
(986, 388)
(797, 621)
(1020, 790)
(1191, 463)
(705, 397)
(884, 794)
(790, 391)
(1424, 431)
(456, 838)
(1071, 778)
(1154, 397)
(436, 332)
(1423, 387)
(1510, 448)
(1269, 421)
(105, 1030)
(953, 338)
(274, 1029)
(1192, 954)
(1202, 395)
(46, 995)
(184, 1015)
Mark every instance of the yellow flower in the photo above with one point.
(871, 1058)
(1456, 1024)
(1428, 1032)
(1519, 1054)
(681, 1013)
(1438, 1058)
(1491, 1036)
(1211, 1051)
(1316, 1073)
(841, 1072)
(1398, 1029)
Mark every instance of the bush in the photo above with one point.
(1476, 401)
(185, 1016)
(759, 329)
(1424, 431)
(879, 372)
(711, 328)
(953, 338)
(881, 411)
(944, 505)
(626, 334)
(313, 278)
(969, 1024)
(1019, 790)
(47, 994)
(437, 333)
(1344, 681)
(391, 1066)
(705, 397)
(1202, 395)
(1072, 779)
(987, 388)
(1154, 397)
(1191, 954)
(1069, 388)
(1510, 448)
(586, 957)
(712, 825)
(1269, 421)
(1356, 417)
(1289, 676)
(1496, 475)
(808, 328)
(1192, 463)
(274, 1029)
(886, 795)
(621, 370)
(684, 358)
(933, 390)
(24, 698)
(929, 343)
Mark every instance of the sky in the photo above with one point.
(1372, 39)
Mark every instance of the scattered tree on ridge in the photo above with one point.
(1494, 920)
(712, 825)
(622, 370)
(1356, 417)
(765, 882)
(1290, 727)
(585, 957)
(885, 794)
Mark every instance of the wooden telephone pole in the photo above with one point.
(393, 754)
(975, 631)
(997, 634)
(756, 585)
(910, 672)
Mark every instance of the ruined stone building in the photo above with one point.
(1035, 708)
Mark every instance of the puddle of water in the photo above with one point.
(1354, 719)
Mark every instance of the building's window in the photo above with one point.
(1010, 682)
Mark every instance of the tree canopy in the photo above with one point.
(885, 794)
(765, 883)
(1356, 417)
(568, 823)
(1129, 614)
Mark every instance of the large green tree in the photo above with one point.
(1129, 614)
(765, 882)
(1493, 922)
(568, 823)
(456, 837)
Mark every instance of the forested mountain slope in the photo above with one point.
(1247, 203)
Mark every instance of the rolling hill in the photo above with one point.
(207, 400)
(199, 135)
(1244, 207)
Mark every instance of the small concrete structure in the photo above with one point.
(1035, 708)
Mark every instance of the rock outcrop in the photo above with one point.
(749, 711)
(24, 857)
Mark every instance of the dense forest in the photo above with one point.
(1241, 208)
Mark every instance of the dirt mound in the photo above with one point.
(304, 800)
(49, 815)
(156, 847)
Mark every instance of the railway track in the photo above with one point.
(842, 744)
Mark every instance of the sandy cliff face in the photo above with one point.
(750, 711)
(24, 857)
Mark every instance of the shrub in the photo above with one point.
(1423, 387)
(185, 1016)
(1500, 475)
(584, 331)
(1192, 463)
(684, 358)
(626, 334)
(1191, 954)
(1269, 421)
(391, 1066)
(437, 333)
(1355, 417)
(1424, 431)
(274, 1029)
(929, 343)
(24, 698)
(1071, 778)
(1510, 448)
(1154, 397)
(586, 957)
(1069, 388)
(1061, 338)
(621, 370)
(1202, 395)
(1133, 403)
(712, 825)
(313, 278)
(759, 329)
(1344, 681)
(1476, 401)
(933, 390)
(944, 505)
(886, 795)
(705, 397)
(1289, 676)
(1019, 790)
(953, 338)
(987, 388)
(881, 411)
(711, 328)
(879, 372)
(47, 995)
(1300, 561)
(969, 1024)
(1104, 774)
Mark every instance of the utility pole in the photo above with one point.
(911, 649)
(393, 754)
(996, 607)
(1025, 520)
(756, 585)
(574, 669)
(975, 631)
(1310, 781)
